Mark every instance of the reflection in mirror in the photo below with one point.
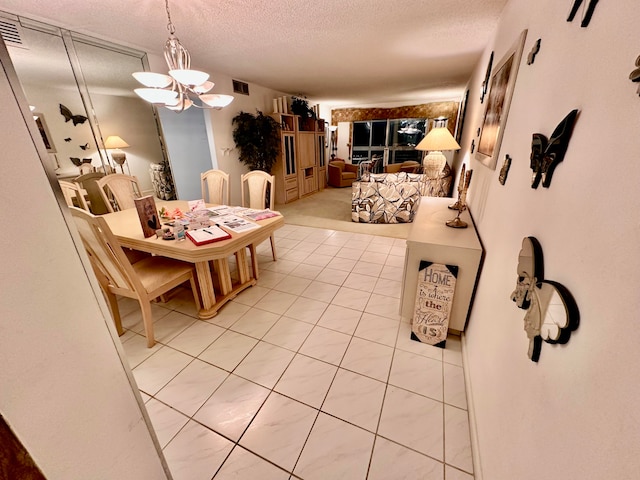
(67, 77)
(46, 76)
(552, 313)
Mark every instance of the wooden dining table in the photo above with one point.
(126, 226)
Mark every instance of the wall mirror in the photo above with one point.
(68, 77)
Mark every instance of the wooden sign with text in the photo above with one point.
(434, 299)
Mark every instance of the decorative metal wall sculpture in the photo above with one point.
(534, 51)
(552, 313)
(635, 75)
(487, 79)
(68, 116)
(547, 154)
(504, 171)
(587, 11)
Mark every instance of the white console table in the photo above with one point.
(431, 240)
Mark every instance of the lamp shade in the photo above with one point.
(114, 141)
(153, 80)
(438, 139)
(216, 100)
(189, 77)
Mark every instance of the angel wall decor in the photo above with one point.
(552, 313)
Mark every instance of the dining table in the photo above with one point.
(126, 226)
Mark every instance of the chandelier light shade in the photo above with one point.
(183, 87)
(436, 141)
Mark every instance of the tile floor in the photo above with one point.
(308, 375)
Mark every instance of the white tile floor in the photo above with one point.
(310, 374)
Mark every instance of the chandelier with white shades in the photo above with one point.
(183, 87)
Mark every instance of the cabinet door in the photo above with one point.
(321, 151)
(306, 150)
(289, 153)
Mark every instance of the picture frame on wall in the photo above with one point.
(503, 81)
(44, 132)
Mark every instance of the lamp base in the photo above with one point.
(120, 158)
(433, 164)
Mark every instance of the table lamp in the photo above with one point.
(438, 139)
(115, 143)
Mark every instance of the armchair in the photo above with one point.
(341, 174)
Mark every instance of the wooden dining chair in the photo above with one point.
(215, 187)
(123, 189)
(143, 281)
(89, 182)
(254, 193)
(71, 192)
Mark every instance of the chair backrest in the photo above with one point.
(89, 182)
(105, 252)
(123, 188)
(254, 190)
(215, 187)
(73, 191)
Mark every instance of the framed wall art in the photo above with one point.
(44, 131)
(503, 81)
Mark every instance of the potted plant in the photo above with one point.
(258, 140)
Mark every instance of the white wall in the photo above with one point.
(65, 390)
(573, 414)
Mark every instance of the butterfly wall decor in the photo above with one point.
(85, 146)
(587, 12)
(68, 116)
(68, 139)
(546, 154)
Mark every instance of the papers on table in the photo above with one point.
(259, 214)
(226, 210)
(234, 223)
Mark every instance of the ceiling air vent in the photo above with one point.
(11, 33)
(240, 87)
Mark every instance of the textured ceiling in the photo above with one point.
(336, 51)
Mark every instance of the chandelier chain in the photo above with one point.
(170, 26)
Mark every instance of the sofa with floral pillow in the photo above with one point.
(394, 197)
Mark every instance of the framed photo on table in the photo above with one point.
(503, 81)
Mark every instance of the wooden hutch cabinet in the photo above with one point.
(301, 168)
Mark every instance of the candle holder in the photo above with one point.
(461, 204)
(456, 206)
(458, 222)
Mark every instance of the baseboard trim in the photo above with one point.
(473, 432)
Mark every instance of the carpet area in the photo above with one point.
(331, 208)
